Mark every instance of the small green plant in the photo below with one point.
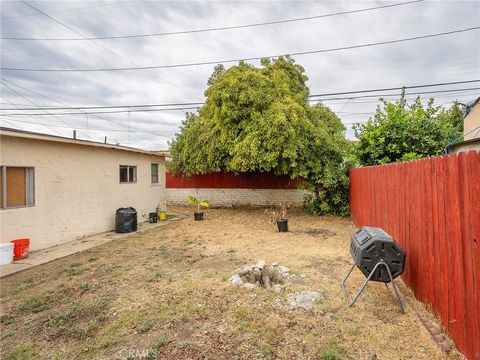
(34, 304)
(332, 351)
(156, 346)
(24, 351)
(144, 326)
(84, 287)
(184, 318)
(8, 333)
(200, 204)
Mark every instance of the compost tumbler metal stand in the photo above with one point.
(364, 285)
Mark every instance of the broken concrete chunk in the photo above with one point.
(242, 271)
(261, 264)
(248, 286)
(235, 280)
(303, 300)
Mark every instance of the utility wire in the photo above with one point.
(195, 108)
(97, 129)
(68, 10)
(187, 105)
(214, 28)
(249, 58)
(395, 95)
(56, 101)
(113, 111)
(397, 88)
(33, 103)
(37, 122)
(78, 33)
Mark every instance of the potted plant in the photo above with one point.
(282, 222)
(198, 215)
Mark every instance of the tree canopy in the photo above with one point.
(400, 131)
(259, 119)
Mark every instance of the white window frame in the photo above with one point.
(129, 181)
(29, 187)
(157, 174)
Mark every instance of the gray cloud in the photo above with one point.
(441, 59)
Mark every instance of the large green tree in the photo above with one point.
(400, 131)
(259, 119)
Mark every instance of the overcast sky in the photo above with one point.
(442, 59)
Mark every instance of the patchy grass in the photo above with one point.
(165, 294)
(332, 351)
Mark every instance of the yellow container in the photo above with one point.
(162, 215)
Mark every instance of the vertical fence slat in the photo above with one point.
(432, 208)
(474, 197)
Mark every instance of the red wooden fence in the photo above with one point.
(232, 181)
(432, 208)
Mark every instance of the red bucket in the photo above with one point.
(21, 248)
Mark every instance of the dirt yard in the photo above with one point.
(165, 294)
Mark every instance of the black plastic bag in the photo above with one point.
(125, 220)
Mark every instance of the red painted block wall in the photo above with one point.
(231, 181)
(432, 208)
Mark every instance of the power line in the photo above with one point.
(58, 102)
(78, 33)
(396, 95)
(397, 88)
(38, 122)
(195, 108)
(185, 106)
(68, 10)
(97, 129)
(111, 112)
(215, 28)
(249, 58)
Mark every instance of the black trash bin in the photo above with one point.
(125, 220)
(152, 217)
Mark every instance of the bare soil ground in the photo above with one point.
(165, 294)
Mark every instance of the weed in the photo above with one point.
(84, 287)
(156, 346)
(332, 351)
(144, 326)
(8, 333)
(355, 331)
(74, 271)
(24, 351)
(34, 304)
(231, 251)
(184, 318)
(268, 351)
(75, 264)
(92, 259)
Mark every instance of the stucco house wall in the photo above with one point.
(471, 122)
(77, 189)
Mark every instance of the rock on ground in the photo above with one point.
(248, 286)
(303, 300)
(235, 280)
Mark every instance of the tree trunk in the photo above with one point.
(266, 278)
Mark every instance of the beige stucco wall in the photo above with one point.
(77, 190)
(471, 122)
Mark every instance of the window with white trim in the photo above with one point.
(154, 172)
(17, 186)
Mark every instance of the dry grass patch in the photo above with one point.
(165, 294)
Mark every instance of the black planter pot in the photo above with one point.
(152, 217)
(282, 225)
(198, 216)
